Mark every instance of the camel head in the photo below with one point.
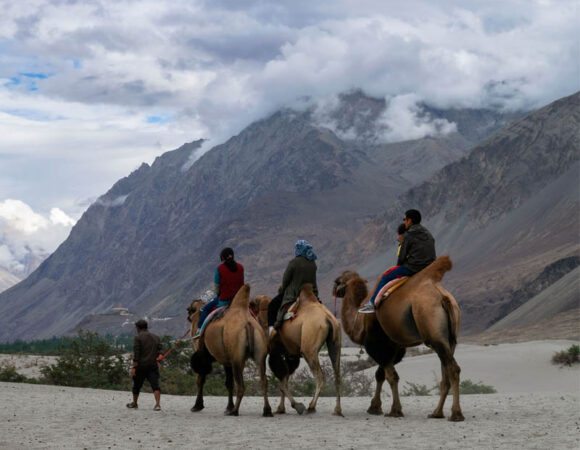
(194, 310)
(340, 283)
(259, 303)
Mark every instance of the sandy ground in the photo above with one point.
(537, 407)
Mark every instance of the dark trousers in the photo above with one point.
(206, 310)
(142, 373)
(273, 308)
(391, 274)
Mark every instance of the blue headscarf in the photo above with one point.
(303, 248)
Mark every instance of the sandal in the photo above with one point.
(132, 405)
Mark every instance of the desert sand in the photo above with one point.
(537, 407)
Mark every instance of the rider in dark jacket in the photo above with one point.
(417, 251)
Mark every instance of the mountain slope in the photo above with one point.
(151, 242)
(504, 212)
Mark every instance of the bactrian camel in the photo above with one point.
(231, 340)
(420, 311)
(303, 336)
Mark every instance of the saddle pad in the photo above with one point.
(217, 313)
(389, 288)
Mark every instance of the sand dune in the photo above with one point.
(537, 407)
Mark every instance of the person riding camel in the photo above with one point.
(301, 270)
(228, 279)
(416, 252)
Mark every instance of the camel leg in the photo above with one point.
(281, 407)
(334, 354)
(443, 391)
(453, 371)
(262, 371)
(393, 379)
(376, 404)
(299, 407)
(314, 364)
(238, 370)
(230, 388)
(449, 375)
(200, 381)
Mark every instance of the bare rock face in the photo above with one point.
(151, 243)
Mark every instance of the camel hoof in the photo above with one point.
(338, 412)
(267, 412)
(436, 416)
(232, 413)
(280, 411)
(311, 410)
(456, 417)
(375, 411)
(300, 408)
(395, 414)
(196, 408)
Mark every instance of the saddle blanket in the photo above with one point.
(389, 288)
(216, 314)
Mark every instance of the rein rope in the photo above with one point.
(175, 345)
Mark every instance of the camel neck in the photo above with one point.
(353, 321)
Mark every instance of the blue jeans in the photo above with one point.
(398, 271)
(207, 309)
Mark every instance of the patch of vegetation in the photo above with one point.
(567, 357)
(415, 389)
(9, 374)
(89, 361)
(467, 387)
(55, 345)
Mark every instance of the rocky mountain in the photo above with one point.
(151, 243)
(507, 213)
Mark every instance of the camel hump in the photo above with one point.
(437, 269)
(242, 297)
(307, 293)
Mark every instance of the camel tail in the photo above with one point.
(251, 340)
(437, 269)
(452, 321)
(332, 338)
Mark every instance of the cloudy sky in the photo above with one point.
(91, 89)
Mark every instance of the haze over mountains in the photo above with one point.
(506, 211)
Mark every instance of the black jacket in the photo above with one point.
(146, 348)
(417, 249)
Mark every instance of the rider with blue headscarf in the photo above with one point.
(301, 270)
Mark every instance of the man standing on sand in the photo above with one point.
(146, 354)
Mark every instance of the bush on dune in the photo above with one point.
(88, 361)
(567, 357)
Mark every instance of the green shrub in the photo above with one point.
(567, 357)
(9, 374)
(467, 387)
(89, 361)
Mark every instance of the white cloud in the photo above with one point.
(26, 236)
(83, 84)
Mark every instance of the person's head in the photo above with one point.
(227, 253)
(303, 248)
(401, 231)
(141, 325)
(412, 217)
(227, 257)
